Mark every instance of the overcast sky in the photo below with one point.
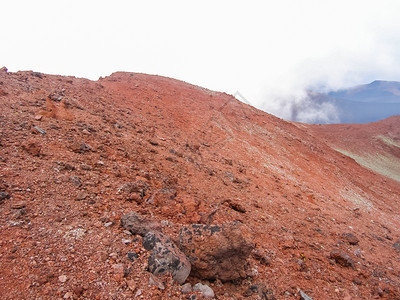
(267, 50)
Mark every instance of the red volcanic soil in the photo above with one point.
(323, 224)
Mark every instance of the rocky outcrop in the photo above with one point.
(166, 257)
(217, 251)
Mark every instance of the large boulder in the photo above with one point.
(138, 224)
(217, 251)
(166, 257)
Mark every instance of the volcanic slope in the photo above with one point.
(374, 145)
(68, 146)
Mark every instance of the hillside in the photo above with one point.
(77, 155)
(373, 145)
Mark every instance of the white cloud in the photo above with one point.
(268, 50)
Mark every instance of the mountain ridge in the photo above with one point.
(377, 90)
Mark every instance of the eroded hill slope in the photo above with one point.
(375, 145)
(68, 147)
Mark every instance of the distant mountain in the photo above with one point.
(364, 103)
(376, 91)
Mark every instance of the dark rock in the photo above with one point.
(217, 251)
(37, 74)
(166, 257)
(396, 246)
(342, 258)
(132, 256)
(261, 290)
(85, 147)
(153, 142)
(304, 296)
(204, 289)
(138, 224)
(4, 69)
(350, 238)
(56, 96)
(3, 196)
(253, 289)
(80, 147)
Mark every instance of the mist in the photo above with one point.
(292, 94)
(272, 52)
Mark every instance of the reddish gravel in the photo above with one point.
(69, 146)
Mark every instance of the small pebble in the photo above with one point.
(131, 284)
(106, 242)
(126, 242)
